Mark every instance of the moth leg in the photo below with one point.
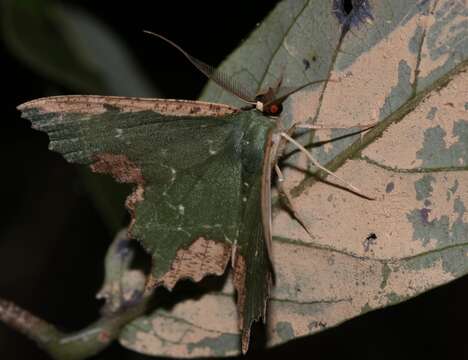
(317, 164)
(289, 203)
(323, 127)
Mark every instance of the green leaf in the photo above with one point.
(404, 64)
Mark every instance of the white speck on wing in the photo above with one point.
(119, 132)
(173, 178)
(181, 209)
(210, 150)
(179, 228)
(169, 204)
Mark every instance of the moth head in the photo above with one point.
(267, 104)
(271, 101)
(270, 109)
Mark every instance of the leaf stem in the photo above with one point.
(73, 346)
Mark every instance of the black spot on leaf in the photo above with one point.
(347, 6)
(390, 187)
(306, 64)
(369, 241)
(352, 13)
(425, 216)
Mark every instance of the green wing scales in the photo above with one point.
(197, 169)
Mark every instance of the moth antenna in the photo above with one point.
(317, 164)
(219, 77)
(289, 202)
(278, 84)
(283, 97)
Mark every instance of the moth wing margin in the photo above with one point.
(265, 194)
(96, 104)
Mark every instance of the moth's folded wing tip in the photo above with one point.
(24, 106)
(26, 109)
(32, 104)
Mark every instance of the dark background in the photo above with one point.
(53, 238)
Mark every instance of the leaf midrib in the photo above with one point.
(360, 144)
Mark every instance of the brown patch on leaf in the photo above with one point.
(410, 134)
(357, 98)
(203, 257)
(93, 104)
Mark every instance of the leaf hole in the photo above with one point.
(370, 240)
(352, 13)
(347, 6)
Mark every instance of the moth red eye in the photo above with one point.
(274, 109)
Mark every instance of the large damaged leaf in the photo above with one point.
(402, 63)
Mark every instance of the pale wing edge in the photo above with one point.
(265, 195)
(96, 104)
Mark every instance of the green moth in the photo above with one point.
(202, 176)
